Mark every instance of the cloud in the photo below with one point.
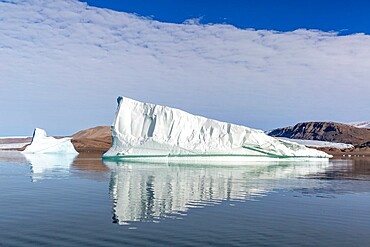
(64, 63)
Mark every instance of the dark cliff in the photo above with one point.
(326, 131)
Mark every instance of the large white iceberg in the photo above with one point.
(41, 143)
(144, 131)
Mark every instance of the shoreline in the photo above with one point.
(98, 140)
(96, 146)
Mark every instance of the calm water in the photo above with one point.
(66, 201)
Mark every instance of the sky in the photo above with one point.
(263, 64)
(346, 17)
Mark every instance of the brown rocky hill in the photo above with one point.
(11, 140)
(97, 139)
(326, 131)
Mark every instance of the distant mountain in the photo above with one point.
(326, 131)
(14, 143)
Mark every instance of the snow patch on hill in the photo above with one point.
(313, 143)
(362, 124)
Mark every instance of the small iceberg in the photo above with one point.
(41, 143)
(143, 131)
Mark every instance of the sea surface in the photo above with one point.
(58, 200)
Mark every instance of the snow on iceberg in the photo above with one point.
(141, 131)
(41, 143)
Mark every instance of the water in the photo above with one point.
(67, 201)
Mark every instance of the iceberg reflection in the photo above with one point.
(149, 192)
(49, 166)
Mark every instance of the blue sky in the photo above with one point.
(284, 15)
(65, 62)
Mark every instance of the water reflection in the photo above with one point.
(348, 169)
(90, 162)
(15, 157)
(90, 166)
(149, 192)
(49, 166)
(152, 192)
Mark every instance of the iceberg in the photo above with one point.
(41, 143)
(143, 131)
